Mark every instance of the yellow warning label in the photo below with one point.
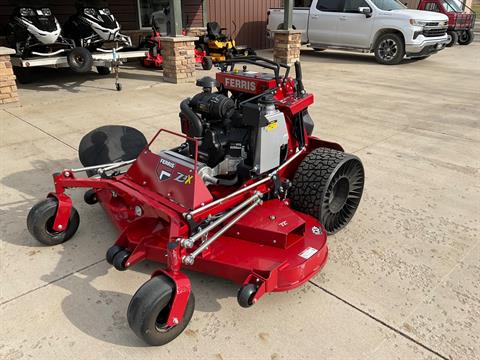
(273, 125)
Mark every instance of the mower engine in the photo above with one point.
(234, 143)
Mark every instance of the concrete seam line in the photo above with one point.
(40, 129)
(51, 282)
(399, 332)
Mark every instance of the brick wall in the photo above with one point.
(8, 88)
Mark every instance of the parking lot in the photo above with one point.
(402, 280)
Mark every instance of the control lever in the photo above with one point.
(298, 78)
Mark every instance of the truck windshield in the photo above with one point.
(388, 5)
(451, 6)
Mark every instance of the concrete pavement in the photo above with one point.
(402, 281)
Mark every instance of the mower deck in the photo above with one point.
(289, 247)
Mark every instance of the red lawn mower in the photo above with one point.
(249, 195)
(153, 43)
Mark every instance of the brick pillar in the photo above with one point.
(286, 46)
(8, 88)
(178, 59)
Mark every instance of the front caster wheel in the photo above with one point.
(90, 197)
(149, 308)
(246, 294)
(40, 221)
(120, 259)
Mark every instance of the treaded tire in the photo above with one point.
(391, 40)
(80, 60)
(466, 37)
(328, 185)
(40, 221)
(453, 38)
(149, 308)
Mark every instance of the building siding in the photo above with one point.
(250, 17)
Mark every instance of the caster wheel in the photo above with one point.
(245, 295)
(118, 86)
(90, 197)
(111, 252)
(120, 259)
(40, 221)
(149, 308)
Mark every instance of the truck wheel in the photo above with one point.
(466, 37)
(80, 60)
(328, 185)
(149, 309)
(452, 38)
(389, 49)
(40, 221)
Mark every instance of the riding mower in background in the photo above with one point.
(219, 46)
(152, 42)
(248, 194)
(33, 30)
(93, 28)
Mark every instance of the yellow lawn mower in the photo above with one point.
(219, 46)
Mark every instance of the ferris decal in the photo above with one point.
(240, 84)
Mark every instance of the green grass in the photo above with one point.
(476, 8)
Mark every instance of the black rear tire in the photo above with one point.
(207, 63)
(328, 185)
(453, 38)
(466, 37)
(80, 60)
(389, 49)
(149, 309)
(40, 221)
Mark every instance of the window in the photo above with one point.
(432, 7)
(351, 6)
(147, 7)
(389, 5)
(330, 5)
(302, 3)
(452, 6)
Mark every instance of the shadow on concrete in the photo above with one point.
(47, 79)
(333, 56)
(101, 314)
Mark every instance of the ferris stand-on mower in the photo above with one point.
(249, 195)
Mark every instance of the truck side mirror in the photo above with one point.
(367, 11)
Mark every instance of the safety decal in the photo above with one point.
(308, 253)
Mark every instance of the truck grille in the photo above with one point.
(434, 32)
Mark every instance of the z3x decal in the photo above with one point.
(184, 179)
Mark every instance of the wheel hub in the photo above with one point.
(388, 49)
(339, 195)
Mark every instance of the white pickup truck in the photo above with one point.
(385, 27)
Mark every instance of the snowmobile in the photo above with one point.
(93, 28)
(34, 30)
